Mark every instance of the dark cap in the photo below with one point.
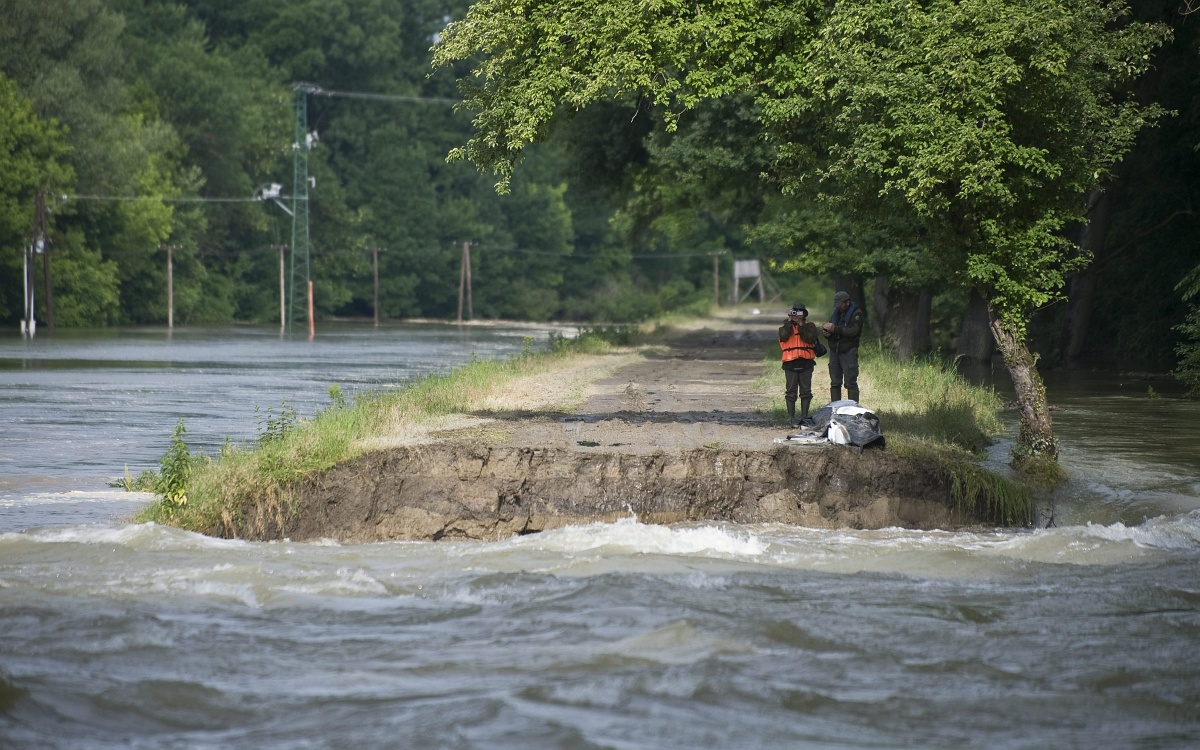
(840, 297)
(798, 308)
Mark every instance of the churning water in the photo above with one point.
(112, 635)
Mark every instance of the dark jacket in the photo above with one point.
(847, 327)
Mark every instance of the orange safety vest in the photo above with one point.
(797, 348)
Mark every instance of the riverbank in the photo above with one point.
(677, 429)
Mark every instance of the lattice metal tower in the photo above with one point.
(300, 242)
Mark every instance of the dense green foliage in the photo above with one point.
(987, 120)
(934, 146)
(1189, 348)
(189, 108)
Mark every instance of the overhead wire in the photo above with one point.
(166, 199)
(638, 256)
(318, 91)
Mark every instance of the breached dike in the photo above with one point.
(679, 432)
(464, 490)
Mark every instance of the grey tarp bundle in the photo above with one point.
(843, 422)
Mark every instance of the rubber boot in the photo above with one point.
(791, 407)
(852, 394)
(835, 393)
(804, 403)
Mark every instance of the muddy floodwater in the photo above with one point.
(625, 635)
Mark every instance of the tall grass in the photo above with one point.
(926, 399)
(266, 473)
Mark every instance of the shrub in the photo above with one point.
(175, 469)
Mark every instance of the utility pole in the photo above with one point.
(36, 246)
(464, 282)
(375, 251)
(302, 144)
(40, 230)
(170, 285)
(28, 323)
(312, 331)
(716, 280)
(282, 288)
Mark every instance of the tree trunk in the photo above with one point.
(1081, 292)
(1082, 289)
(923, 335)
(975, 341)
(1036, 437)
(908, 322)
(879, 305)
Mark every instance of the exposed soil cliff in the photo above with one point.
(466, 491)
(682, 436)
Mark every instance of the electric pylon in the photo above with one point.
(300, 243)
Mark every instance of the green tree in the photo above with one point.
(986, 121)
(33, 157)
(67, 58)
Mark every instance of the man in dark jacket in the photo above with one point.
(843, 330)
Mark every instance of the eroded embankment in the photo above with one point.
(463, 491)
(681, 432)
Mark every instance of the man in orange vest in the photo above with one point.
(798, 339)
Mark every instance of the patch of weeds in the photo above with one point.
(337, 399)
(274, 427)
(146, 481)
(614, 335)
(587, 443)
(989, 496)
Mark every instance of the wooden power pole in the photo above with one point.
(170, 285)
(41, 237)
(464, 283)
(375, 251)
(716, 281)
(282, 288)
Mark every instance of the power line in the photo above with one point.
(165, 199)
(317, 90)
(600, 257)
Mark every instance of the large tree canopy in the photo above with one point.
(986, 121)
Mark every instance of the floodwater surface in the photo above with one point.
(114, 635)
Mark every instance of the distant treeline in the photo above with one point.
(108, 100)
(146, 124)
